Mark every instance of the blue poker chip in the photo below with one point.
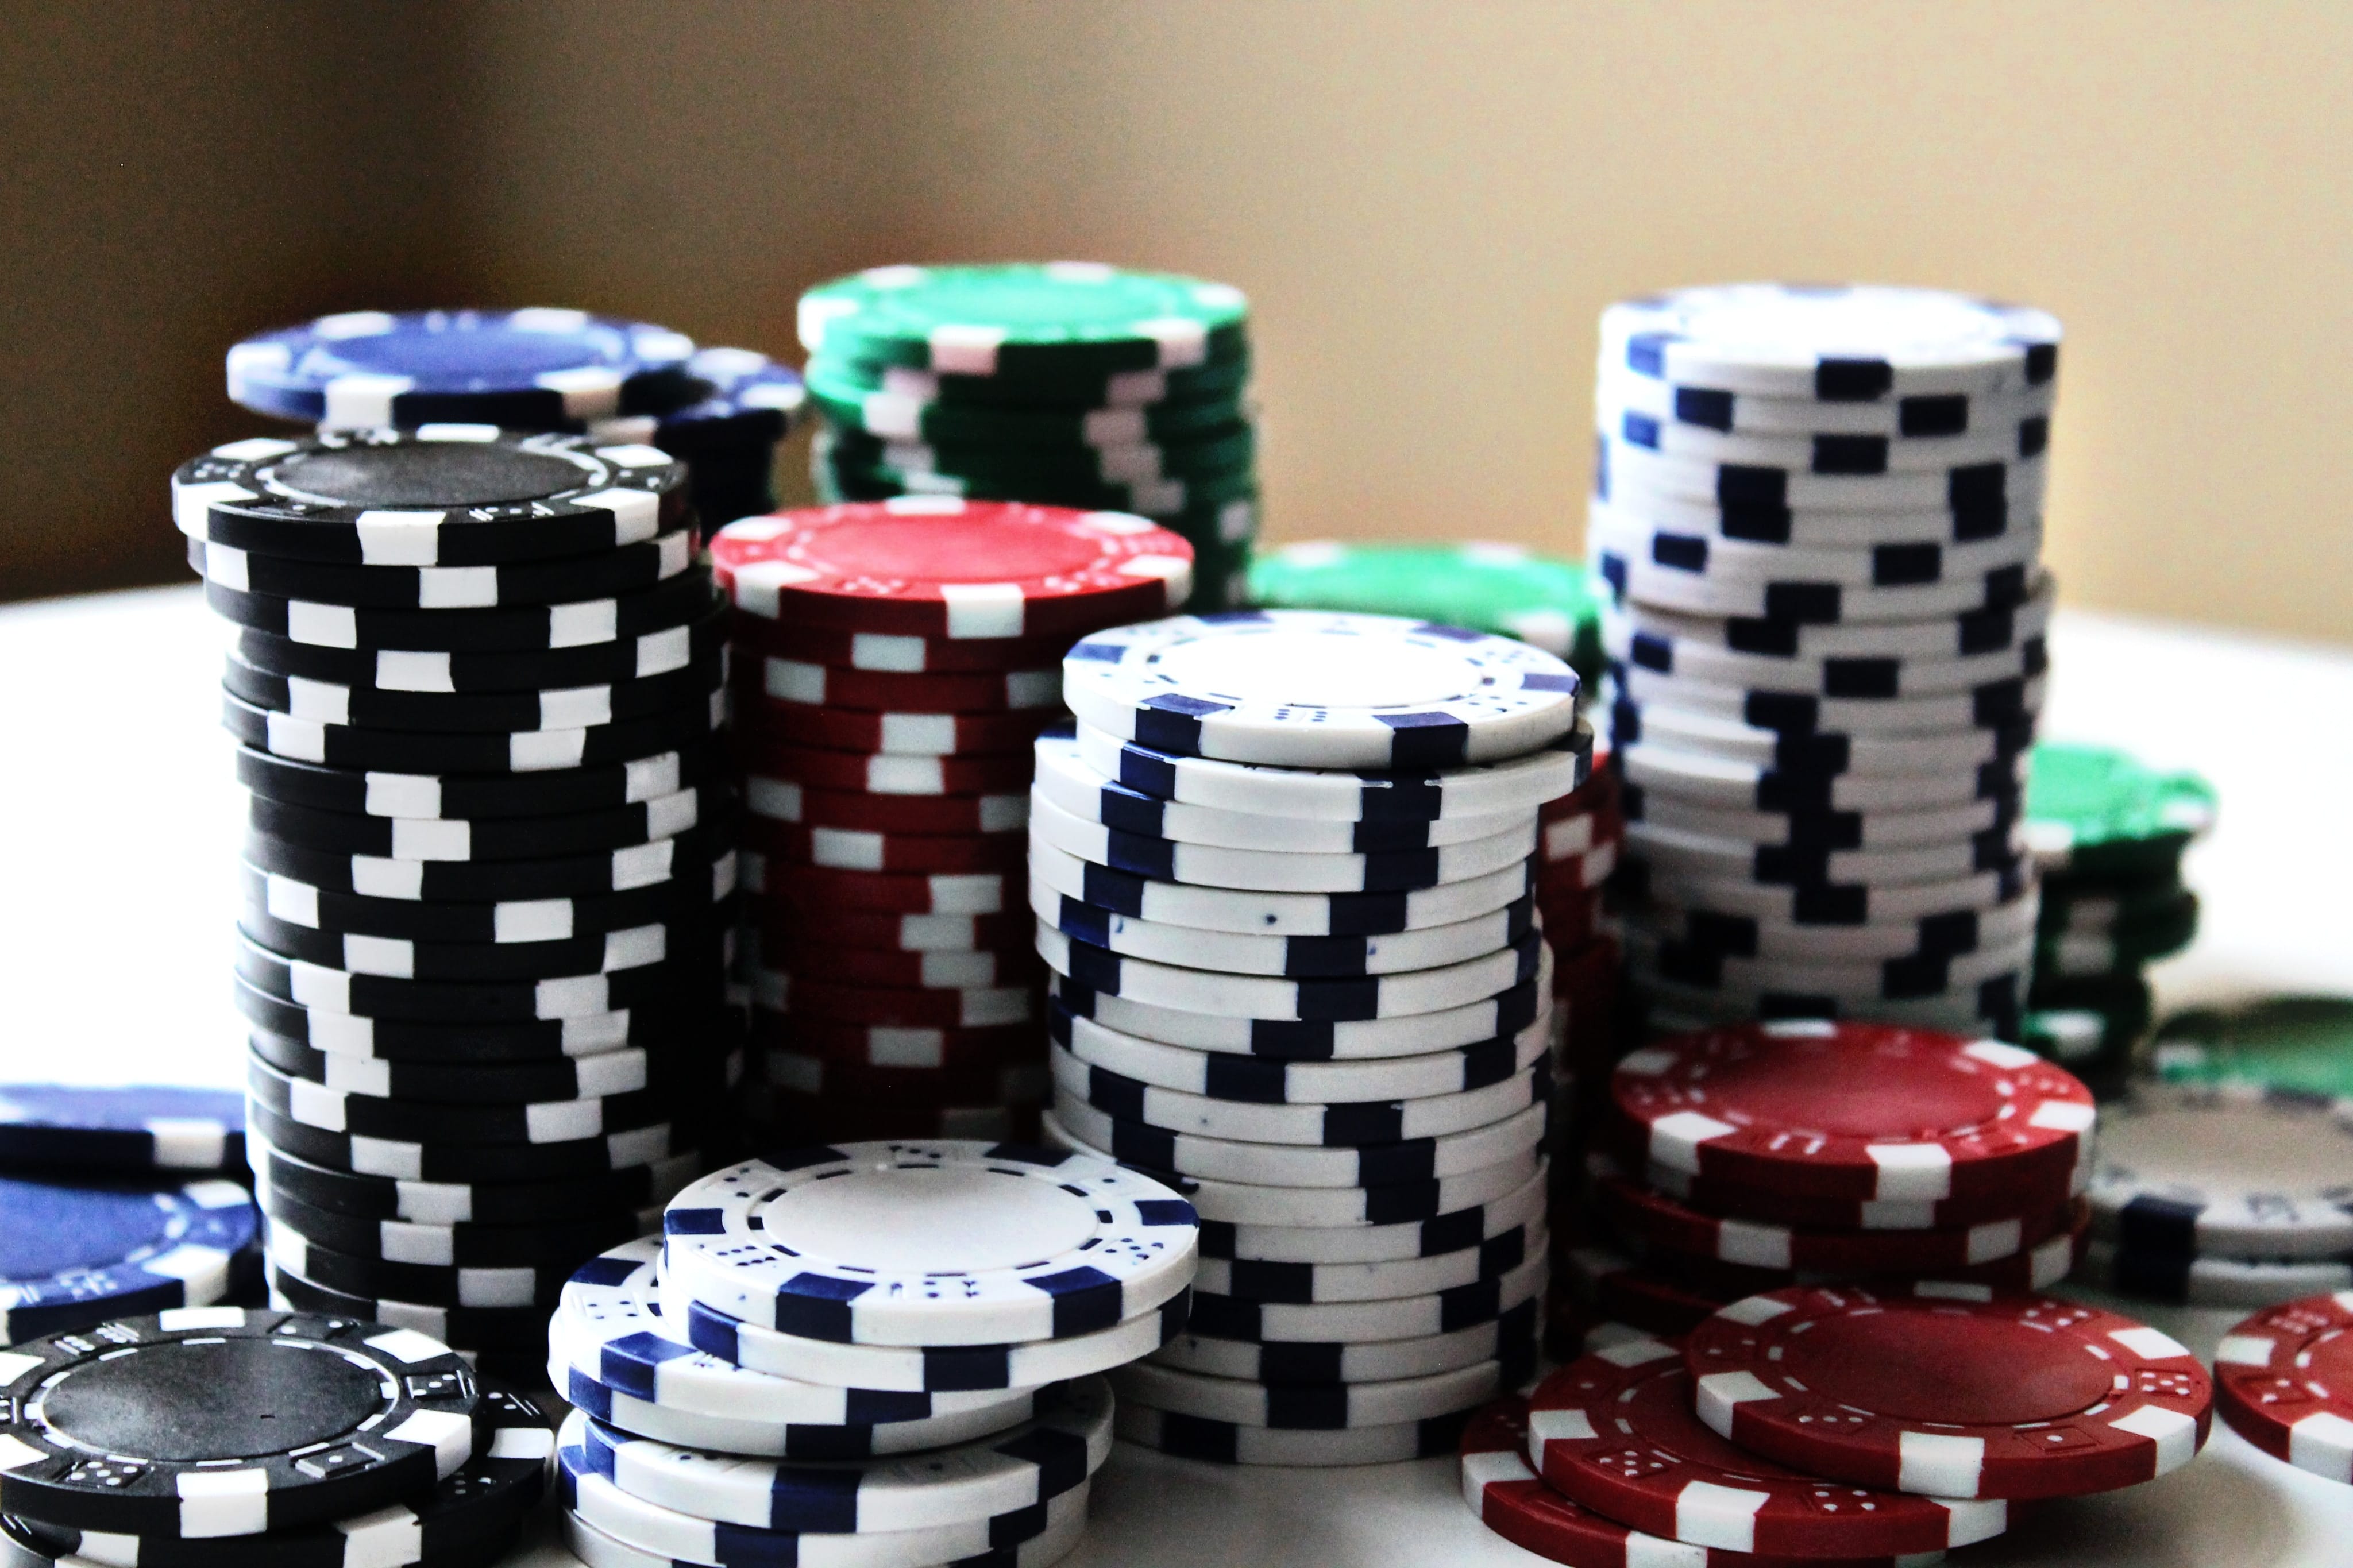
(72, 1256)
(51, 1127)
(538, 369)
(748, 401)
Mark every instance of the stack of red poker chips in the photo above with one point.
(1765, 1156)
(2284, 1381)
(1577, 848)
(1832, 1425)
(893, 662)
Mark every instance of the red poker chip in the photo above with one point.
(799, 1072)
(856, 850)
(884, 1045)
(800, 996)
(1614, 1431)
(1620, 1288)
(1582, 871)
(2035, 1269)
(914, 971)
(783, 800)
(875, 772)
(798, 680)
(782, 930)
(2284, 1380)
(813, 893)
(1513, 1501)
(895, 654)
(1570, 919)
(1867, 1112)
(1655, 1221)
(1585, 985)
(896, 735)
(936, 566)
(1951, 1391)
(1747, 1201)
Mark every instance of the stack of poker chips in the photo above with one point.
(2281, 1381)
(720, 411)
(262, 1438)
(886, 1353)
(2107, 833)
(120, 1201)
(895, 659)
(1820, 513)
(1840, 1424)
(487, 881)
(1069, 384)
(1759, 1156)
(1282, 870)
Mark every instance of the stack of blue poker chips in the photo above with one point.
(720, 410)
(120, 1201)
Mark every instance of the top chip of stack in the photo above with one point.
(1069, 384)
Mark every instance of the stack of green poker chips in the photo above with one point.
(1507, 589)
(2107, 833)
(1067, 383)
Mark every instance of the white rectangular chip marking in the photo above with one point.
(400, 537)
(185, 1144)
(323, 626)
(1708, 1514)
(1912, 1172)
(2175, 1434)
(984, 609)
(406, 669)
(215, 1503)
(2322, 1444)
(2245, 1349)
(1675, 1139)
(637, 515)
(1719, 1392)
(582, 623)
(1938, 1464)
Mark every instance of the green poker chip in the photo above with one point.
(2296, 1045)
(1078, 392)
(1024, 319)
(1218, 450)
(1547, 600)
(899, 418)
(2094, 810)
(2119, 950)
(1204, 496)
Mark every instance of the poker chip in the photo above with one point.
(413, 1160)
(465, 1245)
(857, 850)
(517, 752)
(2092, 810)
(1505, 589)
(396, 1409)
(1300, 1407)
(485, 1287)
(487, 838)
(897, 734)
(75, 1256)
(1508, 1340)
(380, 586)
(2181, 1280)
(2285, 1042)
(332, 703)
(1638, 639)
(1227, 1442)
(884, 773)
(1268, 1249)
(1505, 1013)
(126, 1129)
(1949, 1393)
(457, 798)
(1038, 1247)
(1016, 319)
(1705, 779)
(1675, 570)
(818, 887)
(1309, 1284)
(419, 1001)
(1289, 1165)
(961, 970)
(785, 800)
(992, 659)
(2230, 1170)
(442, 1204)
(621, 619)
(900, 1006)
(801, 682)
(1372, 1320)
(1820, 751)
(2279, 1383)
(1304, 957)
(1317, 688)
(381, 674)
(1066, 1524)
(1946, 932)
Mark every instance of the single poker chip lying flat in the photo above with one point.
(902, 1006)
(1634, 476)
(2184, 1171)
(2091, 808)
(899, 654)
(979, 692)
(1372, 1321)
(742, 402)
(493, 1328)
(56, 1127)
(1296, 957)
(1951, 1391)
(1920, 1116)
(1321, 690)
(1993, 702)
(1657, 643)
(1267, 1251)
(1013, 1243)
(937, 566)
(543, 1243)
(484, 1002)
(532, 837)
(565, 708)
(1066, 1526)
(2212, 1281)
(266, 1420)
(73, 1257)
(891, 734)
(512, 751)
(1825, 452)
(887, 774)
(813, 889)
(621, 869)
(1944, 933)
(384, 673)
(1304, 1407)
(632, 948)
(1064, 1442)
(1023, 319)
(1914, 415)
(359, 792)
(1521, 784)
(1748, 1200)
(1820, 904)
(1703, 777)
(2284, 1382)
(516, 1286)
(1652, 568)
(409, 1161)
(1819, 751)
(1509, 1339)
(1912, 976)
(441, 1204)
(678, 601)
(1261, 1081)
(1310, 1284)
(627, 568)
(1295, 1165)
(1652, 1219)
(856, 850)
(1227, 1442)
(1691, 1485)
(788, 801)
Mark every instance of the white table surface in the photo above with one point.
(121, 813)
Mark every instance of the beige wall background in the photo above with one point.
(1427, 203)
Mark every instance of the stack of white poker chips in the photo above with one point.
(1282, 870)
(882, 1354)
(1820, 513)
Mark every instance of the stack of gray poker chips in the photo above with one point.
(487, 878)
(881, 1353)
(1820, 514)
(1281, 870)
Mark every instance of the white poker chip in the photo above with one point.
(1226, 1443)
(1990, 1007)
(1894, 979)
(1273, 913)
(1992, 706)
(1273, 1247)
(1918, 415)
(1066, 1526)
(1273, 1082)
(1510, 1338)
(1522, 783)
(1679, 852)
(1056, 1449)
(1065, 778)
(1865, 830)
(1631, 475)
(2214, 1281)
(2188, 1170)
(1256, 996)
(1215, 865)
(1666, 643)
(1689, 773)
(1974, 633)
(1309, 1284)
(1336, 1408)
(1317, 688)
(1955, 930)
(1833, 343)
(1819, 751)
(1370, 1322)
(924, 1244)
(1293, 1166)
(1822, 452)
(1883, 565)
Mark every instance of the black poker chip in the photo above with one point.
(522, 1328)
(392, 670)
(546, 1245)
(520, 628)
(483, 1002)
(476, 712)
(383, 1198)
(684, 857)
(628, 569)
(409, 1160)
(225, 1421)
(506, 920)
(538, 1124)
(436, 498)
(466, 796)
(394, 1040)
(600, 1076)
(486, 838)
(633, 948)
(495, 751)
(522, 1286)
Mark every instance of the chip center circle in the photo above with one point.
(929, 1220)
(191, 1400)
(1973, 1370)
(1313, 669)
(1885, 1091)
(952, 547)
(427, 474)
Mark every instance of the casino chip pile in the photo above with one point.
(880, 1354)
(224, 1437)
(2284, 1381)
(2107, 833)
(1758, 1157)
(120, 1201)
(1069, 384)
(1282, 872)
(488, 876)
(895, 660)
(719, 411)
(1820, 514)
(1832, 1422)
